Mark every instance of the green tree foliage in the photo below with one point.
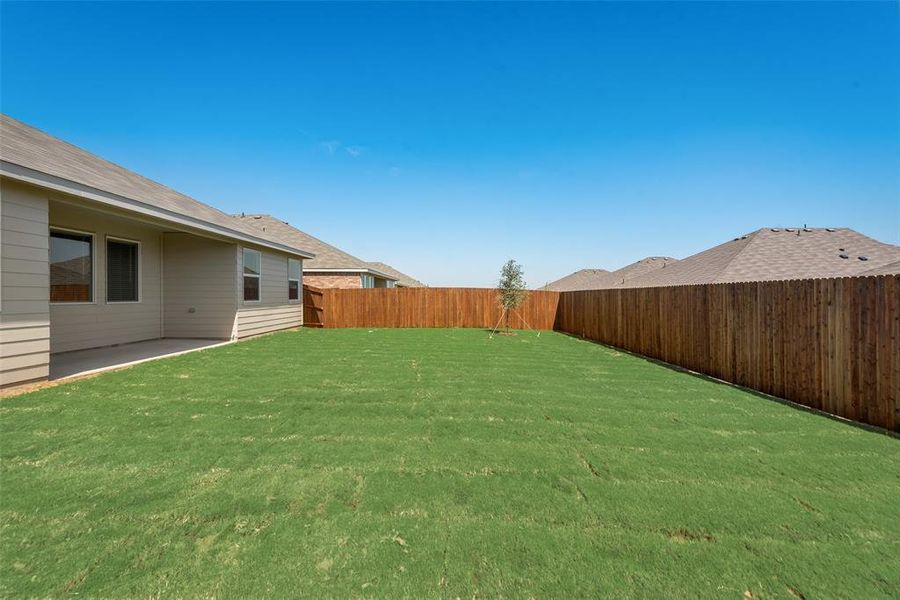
(511, 290)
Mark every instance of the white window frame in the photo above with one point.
(367, 278)
(299, 280)
(258, 277)
(93, 236)
(140, 253)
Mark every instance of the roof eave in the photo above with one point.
(45, 180)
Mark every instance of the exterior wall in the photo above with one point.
(75, 326)
(273, 311)
(199, 287)
(24, 284)
(333, 280)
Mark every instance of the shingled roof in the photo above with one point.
(403, 280)
(32, 156)
(638, 268)
(328, 257)
(888, 269)
(777, 253)
(585, 279)
(599, 279)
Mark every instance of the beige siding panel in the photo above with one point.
(13, 377)
(78, 326)
(286, 317)
(11, 322)
(25, 332)
(24, 307)
(25, 279)
(9, 349)
(27, 253)
(25, 208)
(19, 307)
(23, 361)
(28, 240)
(199, 287)
(27, 267)
(26, 226)
(29, 293)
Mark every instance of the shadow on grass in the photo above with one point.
(751, 391)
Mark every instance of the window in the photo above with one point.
(293, 279)
(252, 263)
(391, 284)
(368, 281)
(122, 271)
(71, 266)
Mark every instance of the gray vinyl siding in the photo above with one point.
(274, 311)
(24, 284)
(92, 325)
(199, 274)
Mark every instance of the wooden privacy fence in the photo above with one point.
(433, 307)
(831, 344)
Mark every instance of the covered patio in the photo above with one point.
(78, 363)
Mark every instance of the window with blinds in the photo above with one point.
(71, 267)
(122, 271)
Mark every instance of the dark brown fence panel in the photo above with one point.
(433, 307)
(313, 307)
(831, 344)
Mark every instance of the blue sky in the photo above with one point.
(446, 138)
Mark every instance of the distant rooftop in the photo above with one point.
(598, 279)
(403, 280)
(775, 253)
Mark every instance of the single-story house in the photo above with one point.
(332, 267)
(94, 255)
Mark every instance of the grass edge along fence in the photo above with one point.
(830, 344)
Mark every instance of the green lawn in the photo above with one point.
(436, 463)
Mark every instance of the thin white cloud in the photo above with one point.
(353, 151)
(330, 146)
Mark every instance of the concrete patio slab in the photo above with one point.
(95, 360)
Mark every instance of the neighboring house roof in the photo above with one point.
(328, 257)
(585, 279)
(403, 280)
(636, 269)
(777, 253)
(73, 271)
(599, 279)
(30, 155)
(888, 269)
